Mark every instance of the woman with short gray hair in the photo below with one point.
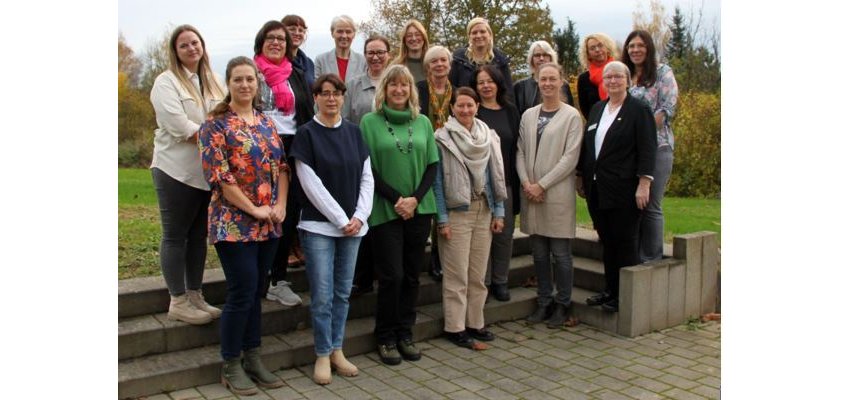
(342, 60)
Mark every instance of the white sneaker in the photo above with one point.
(283, 294)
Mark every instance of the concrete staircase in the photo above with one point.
(157, 355)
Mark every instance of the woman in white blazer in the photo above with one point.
(547, 154)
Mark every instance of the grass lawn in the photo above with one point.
(139, 229)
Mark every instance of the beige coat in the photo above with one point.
(553, 168)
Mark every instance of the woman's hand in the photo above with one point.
(534, 192)
(262, 213)
(278, 213)
(497, 224)
(445, 232)
(579, 187)
(353, 227)
(643, 190)
(405, 207)
(659, 119)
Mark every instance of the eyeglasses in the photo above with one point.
(614, 77)
(334, 93)
(414, 35)
(378, 53)
(271, 38)
(541, 55)
(595, 47)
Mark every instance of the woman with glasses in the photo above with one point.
(286, 100)
(413, 45)
(655, 85)
(597, 50)
(358, 102)
(622, 136)
(526, 93)
(404, 160)
(334, 171)
(297, 28)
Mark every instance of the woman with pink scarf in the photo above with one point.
(286, 99)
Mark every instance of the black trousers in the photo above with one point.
(398, 258)
(363, 275)
(618, 230)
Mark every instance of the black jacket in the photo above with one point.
(527, 94)
(627, 152)
(461, 70)
(588, 94)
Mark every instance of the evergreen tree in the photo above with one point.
(680, 40)
(567, 42)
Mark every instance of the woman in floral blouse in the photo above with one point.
(655, 85)
(244, 163)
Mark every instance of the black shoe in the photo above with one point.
(389, 354)
(559, 317)
(408, 350)
(481, 334)
(500, 291)
(539, 314)
(357, 290)
(461, 339)
(611, 305)
(599, 299)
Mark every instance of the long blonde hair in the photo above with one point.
(404, 51)
(490, 54)
(210, 87)
(392, 73)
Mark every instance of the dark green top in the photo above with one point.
(403, 172)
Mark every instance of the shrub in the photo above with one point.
(135, 153)
(135, 124)
(697, 127)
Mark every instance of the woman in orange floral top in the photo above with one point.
(244, 163)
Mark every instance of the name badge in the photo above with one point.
(591, 127)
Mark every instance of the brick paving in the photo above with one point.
(525, 362)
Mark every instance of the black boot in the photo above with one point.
(539, 314)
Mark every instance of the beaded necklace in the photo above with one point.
(400, 148)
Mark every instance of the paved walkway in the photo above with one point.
(525, 362)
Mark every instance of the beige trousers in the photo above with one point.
(464, 261)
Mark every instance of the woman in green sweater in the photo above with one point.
(404, 160)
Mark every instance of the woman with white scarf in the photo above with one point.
(470, 196)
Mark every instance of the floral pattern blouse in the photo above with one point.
(249, 156)
(661, 96)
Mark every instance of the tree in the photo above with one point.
(127, 62)
(155, 59)
(679, 42)
(657, 26)
(567, 42)
(516, 24)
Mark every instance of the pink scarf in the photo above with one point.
(277, 76)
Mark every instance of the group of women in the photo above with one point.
(354, 146)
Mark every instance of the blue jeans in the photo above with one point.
(330, 265)
(246, 266)
(652, 223)
(553, 267)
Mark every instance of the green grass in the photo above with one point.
(139, 229)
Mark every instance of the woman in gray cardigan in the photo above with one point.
(341, 60)
(547, 154)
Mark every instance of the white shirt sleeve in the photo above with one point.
(365, 202)
(319, 196)
(170, 110)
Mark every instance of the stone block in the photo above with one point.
(677, 294)
(709, 273)
(593, 316)
(139, 336)
(634, 304)
(659, 294)
(690, 249)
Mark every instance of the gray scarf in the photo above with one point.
(475, 147)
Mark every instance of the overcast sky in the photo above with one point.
(229, 27)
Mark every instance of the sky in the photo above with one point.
(228, 28)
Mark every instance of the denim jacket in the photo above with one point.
(497, 207)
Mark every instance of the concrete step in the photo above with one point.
(592, 315)
(199, 366)
(156, 334)
(149, 295)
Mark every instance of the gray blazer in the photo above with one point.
(326, 63)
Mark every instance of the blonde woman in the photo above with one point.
(596, 51)
(182, 96)
(341, 60)
(414, 42)
(480, 50)
(526, 93)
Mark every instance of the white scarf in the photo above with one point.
(475, 148)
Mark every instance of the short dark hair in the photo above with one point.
(649, 67)
(465, 91)
(496, 76)
(292, 19)
(332, 78)
(261, 37)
